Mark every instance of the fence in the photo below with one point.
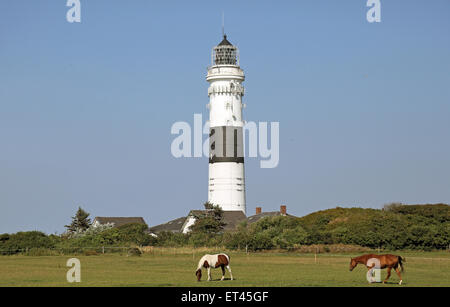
(161, 250)
(66, 250)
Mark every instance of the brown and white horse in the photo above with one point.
(213, 261)
(385, 261)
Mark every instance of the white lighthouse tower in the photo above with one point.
(226, 186)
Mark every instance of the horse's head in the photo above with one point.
(353, 264)
(198, 273)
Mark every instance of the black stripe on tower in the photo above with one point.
(226, 145)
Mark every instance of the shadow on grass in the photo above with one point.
(216, 280)
(393, 283)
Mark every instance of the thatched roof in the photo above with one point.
(171, 226)
(119, 221)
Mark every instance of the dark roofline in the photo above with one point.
(225, 41)
(118, 217)
(120, 220)
(171, 226)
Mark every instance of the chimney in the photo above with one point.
(283, 209)
(258, 210)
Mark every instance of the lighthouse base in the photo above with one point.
(227, 186)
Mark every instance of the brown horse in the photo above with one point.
(213, 261)
(386, 261)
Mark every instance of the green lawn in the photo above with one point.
(260, 269)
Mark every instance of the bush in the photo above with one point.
(24, 241)
(170, 239)
(134, 233)
(125, 235)
(397, 226)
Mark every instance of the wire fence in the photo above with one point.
(161, 250)
(66, 250)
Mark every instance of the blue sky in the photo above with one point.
(86, 108)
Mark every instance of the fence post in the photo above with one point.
(103, 249)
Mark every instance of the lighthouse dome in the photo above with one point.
(225, 53)
(225, 41)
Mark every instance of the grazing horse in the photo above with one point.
(386, 261)
(213, 261)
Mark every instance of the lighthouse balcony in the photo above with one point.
(225, 72)
(231, 89)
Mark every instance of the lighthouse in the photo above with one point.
(226, 184)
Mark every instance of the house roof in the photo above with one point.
(230, 218)
(233, 219)
(119, 221)
(171, 226)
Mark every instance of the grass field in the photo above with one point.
(258, 269)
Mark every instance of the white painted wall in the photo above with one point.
(190, 221)
(226, 185)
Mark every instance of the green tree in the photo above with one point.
(134, 233)
(210, 221)
(80, 222)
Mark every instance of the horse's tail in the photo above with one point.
(400, 259)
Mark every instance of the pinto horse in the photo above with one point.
(386, 261)
(213, 261)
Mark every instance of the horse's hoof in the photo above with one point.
(400, 282)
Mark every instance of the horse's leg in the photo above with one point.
(223, 271)
(209, 274)
(388, 274)
(399, 275)
(229, 270)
